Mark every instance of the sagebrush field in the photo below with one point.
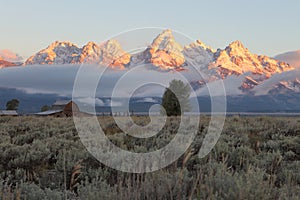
(255, 158)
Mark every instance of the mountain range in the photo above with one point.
(243, 72)
(165, 54)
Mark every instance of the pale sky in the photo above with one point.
(264, 26)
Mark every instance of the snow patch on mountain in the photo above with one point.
(108, 53)
(164, 52)
(198, 54)
(236, 59)
(57, 53)
(113, 55)
(240, 70)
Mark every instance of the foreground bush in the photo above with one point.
(255, 158)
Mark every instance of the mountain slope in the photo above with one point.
(4, 63)
(285, 87)
(198, 54)
(113, 55)
(164, 53)
(56, 53)
(109, 53)
(236, 59)
(283, 83)
(292, 57)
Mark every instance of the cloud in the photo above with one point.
(91, 101)
(147, 100)
(115, 103)
(58, 79)
(40, 79)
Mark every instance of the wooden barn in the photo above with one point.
(62, 109)
(70, 109)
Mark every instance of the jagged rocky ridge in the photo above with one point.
(108, 53)
(165, 54)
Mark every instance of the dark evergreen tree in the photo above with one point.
(12, 104)
(176, 98)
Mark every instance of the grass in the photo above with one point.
(255, 158)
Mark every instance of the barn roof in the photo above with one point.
(61, 102)
(8, 112)
(48, 112)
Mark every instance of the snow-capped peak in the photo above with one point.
(56, 53)
(90, 53)
(113, 55)
(235, 59)
(236, 44)
(165, 52)
(198, 54)
(62, 44)
(204, 46)
(113, 47)
(236, 48)
(166, 41)
(109, 52)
